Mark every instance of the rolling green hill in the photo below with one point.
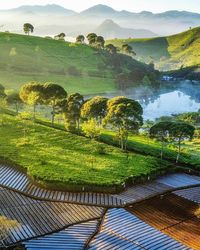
(78, 68)
(168, 53)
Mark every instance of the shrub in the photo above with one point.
(100, 149)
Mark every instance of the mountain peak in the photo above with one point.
(109, 22)
(49, 8)
(99, 9)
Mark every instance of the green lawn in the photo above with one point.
(63, 160)
(145, 145)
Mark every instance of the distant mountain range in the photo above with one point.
(51, 19)
(39, 9)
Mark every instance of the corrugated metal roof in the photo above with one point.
(179, 180)
(122, 230)
(72, 238)
(38, 218)
(16, 180)
(173, 216)
(192, 194)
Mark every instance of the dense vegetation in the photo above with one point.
(75, 66)
(190, 153)
(75, 159)
(168, 53)
(64, 160)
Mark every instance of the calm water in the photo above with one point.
(171, 98)
(174, 102)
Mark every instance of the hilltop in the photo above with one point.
(110, 30)
(168, 53)
(78, 68)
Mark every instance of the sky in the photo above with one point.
(130, 5)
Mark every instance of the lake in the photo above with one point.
(171, 98)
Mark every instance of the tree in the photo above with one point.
(91, 129)
(14, 99)
(146, 81)
(125, 115)
(128, 49)
(61, 36)
(3, 107)
(180, 131)
(80, 39)
(2, 91)
(28, 28)
(52, 95)
(160, 131)
(72, 112)
(111, 48)
(95, 108)
(100, 42)
(32, 94)
(6, 226)
(91, 38)
(122, 81)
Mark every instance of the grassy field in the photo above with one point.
(143, 144)
(85, 85)
(29, 58)
(168, 53)
(63, 160)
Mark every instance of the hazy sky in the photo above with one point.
(131, 5)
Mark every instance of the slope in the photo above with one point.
(168, 53)
(74, 66)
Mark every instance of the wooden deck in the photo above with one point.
(36, 218)
(15, 180)
(173, 216)
(122, 230)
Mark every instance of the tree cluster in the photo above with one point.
(170, 131)
(47, 94)
(122, 114)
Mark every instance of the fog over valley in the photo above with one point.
(52, 19)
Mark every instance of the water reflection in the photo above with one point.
(171, 98)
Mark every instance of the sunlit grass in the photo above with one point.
(59, 157)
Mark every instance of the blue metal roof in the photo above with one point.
(36, 218)
(72, 238)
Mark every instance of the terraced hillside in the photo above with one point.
(168, 53)
(78, 68)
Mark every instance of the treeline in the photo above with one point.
(92, 38)
(90, 117)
